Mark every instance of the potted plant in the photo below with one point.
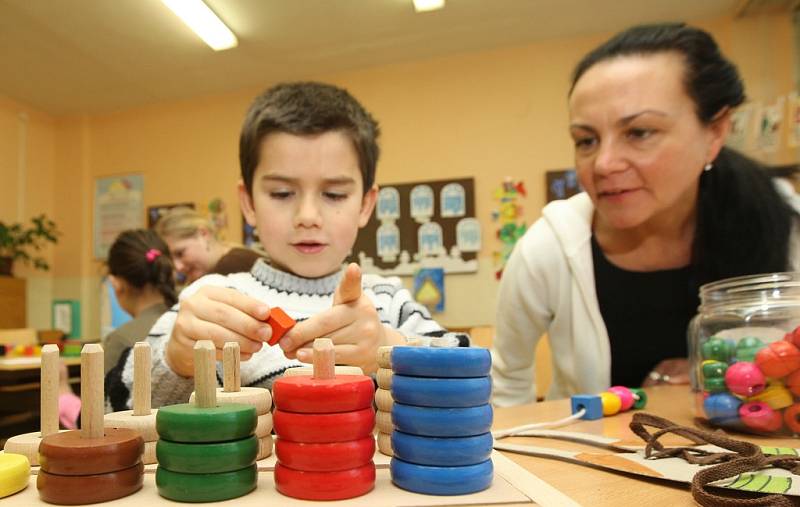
(20, 242)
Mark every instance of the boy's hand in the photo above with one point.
(221, 315)
(352, 323)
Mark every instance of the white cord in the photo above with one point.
(538, 426)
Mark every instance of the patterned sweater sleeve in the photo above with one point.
(398, 310)
(167, 387)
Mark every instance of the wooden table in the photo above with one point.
(595, 487)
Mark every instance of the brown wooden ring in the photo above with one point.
(69, 454)
(83, 489)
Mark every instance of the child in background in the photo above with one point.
(308, 154)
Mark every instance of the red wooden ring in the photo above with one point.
(83, 489)
(329, 457)
(68, 453)
(325, 485)
(791, 416)
(309, 395)
(324, 428)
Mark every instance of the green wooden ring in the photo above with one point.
(642, 401)
(214, 458)
(205, 487)
(190, 424)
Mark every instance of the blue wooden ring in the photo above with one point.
(437, 451)
(441, 392)
(430, 480)
(442, 422)
(441, 362)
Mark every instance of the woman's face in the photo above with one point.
(639, 145)
(191, 256)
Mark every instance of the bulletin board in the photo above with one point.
(561, 184)
(418, 225)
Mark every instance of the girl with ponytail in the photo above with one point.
(141, 273)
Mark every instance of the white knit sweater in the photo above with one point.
(300, 298)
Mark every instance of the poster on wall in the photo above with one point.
(118, 206)
(740, 136)
(421, 225)
(561, 184)
(793, 125)
(156, 212)
(769, 124)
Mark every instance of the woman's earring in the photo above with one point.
(708, 166)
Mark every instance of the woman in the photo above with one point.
(140, 271)
(195, 248)
(612, 274)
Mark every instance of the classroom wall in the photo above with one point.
(487, 114)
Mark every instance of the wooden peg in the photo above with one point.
(231, 377)
(324, 359)
(141, 378)
(48, 416)
(92, 391)
(205, 374)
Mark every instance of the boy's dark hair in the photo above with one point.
(133, 258)
(308, 108)
(743, 224)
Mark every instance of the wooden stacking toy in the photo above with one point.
(233, 392)
(27, 444)
(440, 418)
(610, 402)
(206, 450)
(324, 429)
(142, 418)
(15, 471)
(93, 464)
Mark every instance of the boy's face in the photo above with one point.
(307, 201)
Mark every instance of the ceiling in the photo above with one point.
(95, 56)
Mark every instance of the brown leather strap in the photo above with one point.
(744, 457)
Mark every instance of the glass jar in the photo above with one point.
(744, 351)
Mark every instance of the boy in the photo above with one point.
(307, 153)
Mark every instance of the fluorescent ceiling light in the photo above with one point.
(428, 5)
(203, 22)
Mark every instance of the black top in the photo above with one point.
(646, 314)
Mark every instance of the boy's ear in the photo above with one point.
(246, 204)
(367, 205)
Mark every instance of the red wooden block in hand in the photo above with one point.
(329, 457)
(309, 395)
(280, 322)
(325, 485)
(322, 428)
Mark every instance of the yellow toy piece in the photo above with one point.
(14, 473)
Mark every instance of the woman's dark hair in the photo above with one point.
(140, 258)
(743, 224)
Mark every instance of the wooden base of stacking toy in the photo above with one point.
(27, 445)
(14, 473)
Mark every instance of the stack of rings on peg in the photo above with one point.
(323, 423)
(440, 418)
(206, 450)
(610, 402)
(93, 464)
